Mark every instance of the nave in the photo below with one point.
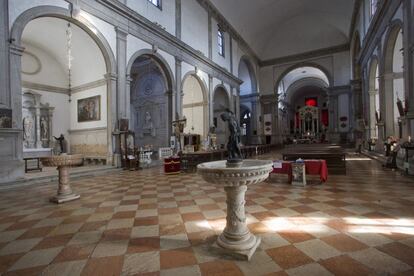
(145, 222)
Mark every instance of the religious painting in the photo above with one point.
(89, 109)
(5, 118)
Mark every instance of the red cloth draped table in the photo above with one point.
(172, 165)
(317, 167)
(285, 169)
(313, 167)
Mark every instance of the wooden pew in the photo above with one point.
(335, 160)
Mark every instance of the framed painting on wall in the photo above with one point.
(89, 109)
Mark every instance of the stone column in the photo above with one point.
(5, 97)
(372, 110)
(128, 81)
(211, 102)
(408, 40)
(177, 100)
(11, 153)
(121, 46)
(387, 111)
(254, 119)
(210, 36)
(178, 19)
(114, 156)
(331, 115)
(38, 134)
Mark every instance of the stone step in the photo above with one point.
(49, 179)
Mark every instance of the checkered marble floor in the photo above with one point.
(147, 223)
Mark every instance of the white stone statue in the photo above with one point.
(44, 128)
(27, 130)
(148, 127)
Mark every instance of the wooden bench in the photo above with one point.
(96, 160)
(335, 160)
(190, 160)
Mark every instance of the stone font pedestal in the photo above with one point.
(65, 192)
(236, 239)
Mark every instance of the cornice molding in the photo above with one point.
(150, 27)
(64, 90)
(45, 87)
(379, 24)
(303, 56)
(215, 13)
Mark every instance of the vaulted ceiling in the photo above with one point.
(279, 28)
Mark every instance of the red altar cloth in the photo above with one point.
(286, 169)
(317, 167)
(313, 167)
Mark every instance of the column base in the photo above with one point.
(64, 198)
(240, 254)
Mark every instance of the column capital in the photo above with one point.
(16, 49)
(373, 92)
(121, 33)
(111, 76)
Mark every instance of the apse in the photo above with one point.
(303, 100)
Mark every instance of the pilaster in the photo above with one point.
(210, 102)
(178, 19)
(121, 47)
(178, 99)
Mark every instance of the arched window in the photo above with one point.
(156, 3)
(220, 42)
(373, 7)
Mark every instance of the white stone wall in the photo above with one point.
(164, 16)
(194, 25)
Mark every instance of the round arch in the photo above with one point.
(220, 86)
(110, 63)
(52, 11)
(221, 102)
(294, 87)
(168, 74)
(374, 97)
(200, 81)
(391, 84)
(303, 64)
(395, 27)
(246, 60)
(203, 104)
(151, 114)
(373, 67)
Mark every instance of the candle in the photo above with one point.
(409, 139)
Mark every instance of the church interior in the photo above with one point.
(206, 137)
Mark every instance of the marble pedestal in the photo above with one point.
(236, 239)
(63, 163)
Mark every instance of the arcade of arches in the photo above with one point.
(124, 99)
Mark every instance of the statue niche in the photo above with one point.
(149, 104)
(37, 122)
(148, 127)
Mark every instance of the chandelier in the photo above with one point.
(69, 57)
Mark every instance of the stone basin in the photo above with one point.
(250, 172)
(236, 239)
(63, 162)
